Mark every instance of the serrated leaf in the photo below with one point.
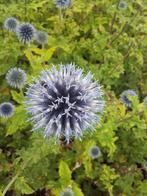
(23, 186)
(18, 97)
(18, 121)
(48, 54)
(64, 173)
(77, 191)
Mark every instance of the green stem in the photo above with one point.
(10, 184)
(124, 28)
(14, 178)
(25, 9)
(114, 18)
(60, 15)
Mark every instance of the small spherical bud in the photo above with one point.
(122, 5)
(25, 32)
(41, 37)
(94, 152)
(62, 4)
(124, 97)
(16, 77)
(67, 192)
(65, 103)
(6, 110)
(11, 24)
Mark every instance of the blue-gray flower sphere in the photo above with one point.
(6, 110)
(67, 192)
(64, 102)
(63, 3)
(124, 97)
(94, 152)
(41, 37)
(122, 5)
(16, 77)
(11, 24)
(25, 32)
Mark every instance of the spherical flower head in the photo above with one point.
(41, 37)
(11, 24)
(94, 152)
(124, 97)
(62, 4)
(145, 102)
(25, 32)
(122, 5)
(67, 192)
(64, 103)
(16, 78)
(6, 110)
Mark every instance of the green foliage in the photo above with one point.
(100, 38)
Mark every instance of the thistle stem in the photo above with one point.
(14, 178)
(25, 10)
(60, 15)
(10, 184)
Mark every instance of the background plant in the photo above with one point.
(97, 36)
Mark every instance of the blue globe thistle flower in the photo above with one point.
(11, 24)
(64, 103)
(41, 37)
(26, 32)
(6, 110)
(67, 192)
(145, 102)
(16, 77)
(124, 97)
(62, 4)
(94, 152)
(122, 5)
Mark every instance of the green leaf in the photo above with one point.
(18, 97)
(64, 173)
(18, 121)
(22, 186)
(77, 191)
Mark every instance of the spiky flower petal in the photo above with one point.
(63, 3)
(26, 32)
(145, 102)
(67, 192)
(122, 5)
(16, 77)
(94, 152)
(124, 97)
(64, 102)
(11, 24)
(6, 110)
(41, 37)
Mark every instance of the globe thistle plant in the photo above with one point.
(64, 103)
(16, 77)
(26, 32)
(124, 97)
(67, 192)
(41, 37)
(94, 152)
(122, 5)
(6, 110)
(11, 24)
(62, 4)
